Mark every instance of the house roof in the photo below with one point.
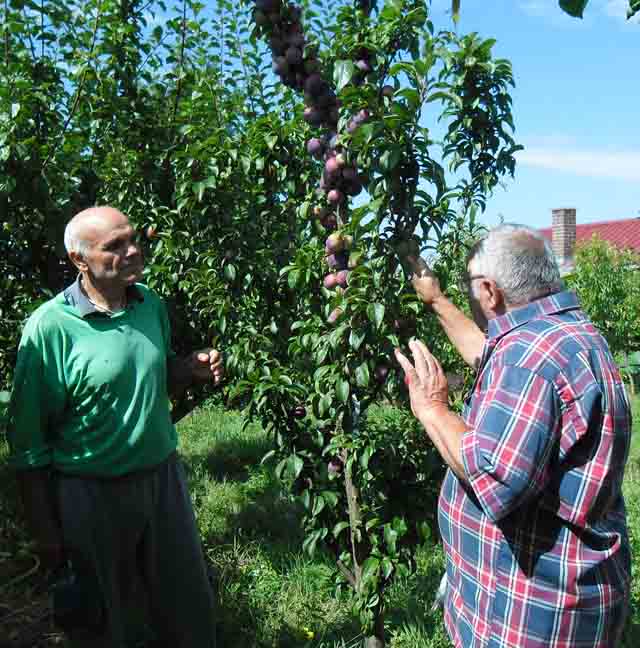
(623, 233)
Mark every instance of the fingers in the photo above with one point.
(422, 366)
(407, 367)
(433, 366)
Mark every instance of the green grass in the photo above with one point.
(271, 595)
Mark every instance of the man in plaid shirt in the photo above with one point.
(531, 510)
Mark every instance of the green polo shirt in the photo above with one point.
(90, 390)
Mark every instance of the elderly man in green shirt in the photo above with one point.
(93, 444)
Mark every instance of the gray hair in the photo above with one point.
(73, 242)
(519, 259)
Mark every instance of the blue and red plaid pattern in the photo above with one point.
(536, 537)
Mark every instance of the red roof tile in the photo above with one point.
(621, 233)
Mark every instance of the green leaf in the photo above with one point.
(342, 390)
(318, 505)
(324, 404)
(356, 338)
(292, 279)
(230, 272)
(343, 72)
(271, 141)
(362, 375)
(366, 456)
(309, 544)
(574, 8)
(295, 464)
(387, 567)
(339, 528)
(634, 8)
(5, 397)
(390, 538)
(267, 457)
(370, 568)
(424, 530)
(375, 312)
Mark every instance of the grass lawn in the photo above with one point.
(270, 593)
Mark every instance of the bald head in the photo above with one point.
(519, 259)
(89, 224)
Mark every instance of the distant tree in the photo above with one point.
(607, 281)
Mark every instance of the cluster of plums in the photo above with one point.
(296, 62)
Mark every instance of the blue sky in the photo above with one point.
(576, 106)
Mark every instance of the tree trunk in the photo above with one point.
(376, 640)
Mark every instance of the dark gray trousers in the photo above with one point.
(140, 529)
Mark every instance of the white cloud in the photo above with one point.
(621, 165)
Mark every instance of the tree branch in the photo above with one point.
(79, 90)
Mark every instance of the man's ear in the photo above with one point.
(495, 295)
(78, 261)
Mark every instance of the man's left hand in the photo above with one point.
(206, 364)
(427, 383)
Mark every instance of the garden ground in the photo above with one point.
(270, 593)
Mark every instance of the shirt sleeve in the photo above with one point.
(34, 401)
(506, 452)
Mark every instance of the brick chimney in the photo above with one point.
(563, 239)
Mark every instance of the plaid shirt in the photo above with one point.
(536, 538)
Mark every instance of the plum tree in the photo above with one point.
(367, 138)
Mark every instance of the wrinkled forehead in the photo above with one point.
(99, 227)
